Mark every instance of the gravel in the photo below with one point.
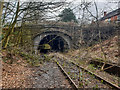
(49, 76)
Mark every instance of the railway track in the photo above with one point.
(100, 82)
(110, 68)
(99, 77)
(67, 76)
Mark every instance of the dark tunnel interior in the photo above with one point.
(52, 43)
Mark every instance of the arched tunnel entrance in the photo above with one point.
(53, 43)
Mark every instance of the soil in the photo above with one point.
(20, 74)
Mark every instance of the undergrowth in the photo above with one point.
(31, 58)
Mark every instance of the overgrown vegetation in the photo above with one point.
(15, 38)
(31, 59)
(17, 41)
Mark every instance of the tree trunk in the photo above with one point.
(1, 9)
(11, 28)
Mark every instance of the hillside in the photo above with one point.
(110, 48)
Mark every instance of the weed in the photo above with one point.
(86, 83)
(68, 73)
(91, 67)
(75, 76)
(63, 64)
(47, 58)
(80, 85)
(101, 81)
(96, 86)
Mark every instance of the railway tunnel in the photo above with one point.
(52, 41)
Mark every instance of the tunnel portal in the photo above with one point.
(56, 43)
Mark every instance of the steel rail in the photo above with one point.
(68, 77)
(98, 76)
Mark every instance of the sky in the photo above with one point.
(64, 0)
(103, 5)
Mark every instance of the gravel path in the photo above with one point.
(49, 76)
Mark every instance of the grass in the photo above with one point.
(80, 85)
(96, 87)
(68, 73)
(91, 67)
(32, 59)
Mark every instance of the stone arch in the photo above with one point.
(66, 39)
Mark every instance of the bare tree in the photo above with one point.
(26, 11)
(99, 31)
(11, 27)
